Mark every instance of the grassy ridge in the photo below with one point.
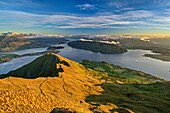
(96, 87)
(43, 66)
(9, 57)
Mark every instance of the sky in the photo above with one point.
(85, 16)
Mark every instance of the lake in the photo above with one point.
(19, 62)
(132, 59)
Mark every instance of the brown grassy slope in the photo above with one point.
(11, 43)
(43, 94)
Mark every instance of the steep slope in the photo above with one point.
(72, 87)
(11, 43)
(47, 65)
(69, 90)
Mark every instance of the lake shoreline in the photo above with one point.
(29, 54)
(75, 54)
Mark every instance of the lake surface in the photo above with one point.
(21, 52)
(16, 63)
(19, 62)
(132, 59)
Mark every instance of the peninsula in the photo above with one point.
(93, 46)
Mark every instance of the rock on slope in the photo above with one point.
(68, 87)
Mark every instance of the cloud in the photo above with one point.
(161, 19)
(161, 3)
(125, 20)
(138, 14)
(117, 3)
(3, 3)
(124, 9)
(18, 3)
(85, 6)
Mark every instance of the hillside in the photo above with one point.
(43, 66)
(136, 44)
(98, 47)
(65, 84)
(9, 57)
(11, 43)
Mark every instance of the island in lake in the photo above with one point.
(93, 46)
(161, 46)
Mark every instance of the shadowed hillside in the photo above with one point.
(72, 87)
(44, 66)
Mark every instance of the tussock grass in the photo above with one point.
(92, 87)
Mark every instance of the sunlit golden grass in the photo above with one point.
(69, 90)
(83, 90)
